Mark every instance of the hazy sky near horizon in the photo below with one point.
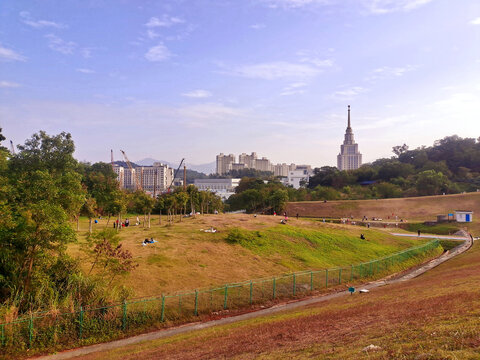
(193, 78)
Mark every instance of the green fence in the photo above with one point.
(87, 325)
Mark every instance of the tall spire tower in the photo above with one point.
(349, 157)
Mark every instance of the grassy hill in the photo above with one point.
(434, 316)
(414, 209)
(185, 257)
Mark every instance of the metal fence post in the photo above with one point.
(80, 323)
(196, 302)
(311, 280)
(274, 288)
(162, 315)
(226, 297)
(326, 278)
(340, 275)
(124, 319)
(30, 332)
(251, 292)
(294, 284)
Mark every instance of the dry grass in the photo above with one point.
(186, 258)
(434, 316)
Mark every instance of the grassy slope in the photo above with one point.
(186, 258)
(434, 316)
(414, 209)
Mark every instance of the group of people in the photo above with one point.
(125, 223)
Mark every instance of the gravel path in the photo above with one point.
(272, 310)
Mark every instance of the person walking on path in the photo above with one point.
(418, 232)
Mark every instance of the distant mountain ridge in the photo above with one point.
(203, 168)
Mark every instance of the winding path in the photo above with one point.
(69, 354)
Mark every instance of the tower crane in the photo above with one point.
(12, 148)
(137, 182)
(175, 174)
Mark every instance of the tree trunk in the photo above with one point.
(108, 220)
(144, 220)
(78, 222)
(90, 225)
(160, 218)
(149, 220)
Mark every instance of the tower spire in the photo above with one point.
(348, 115)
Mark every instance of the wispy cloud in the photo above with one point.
(277, 70)
(349, 93)
(386, 72)
(375, 7)
(86, 52)
(388, 6)
(258, 26)
(158, 53)
(198, 94)
(294, 89)
(10, 55)
(38, 24)
(86, 71)
(475, 21)
(8, 84)
(57, 44)
(164, 21)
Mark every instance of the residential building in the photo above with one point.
(248, 160)
(263, 164)
(153, 179)
(349, 158)
(221, 187)
(224, 163)
(237, 166)
(299, 177)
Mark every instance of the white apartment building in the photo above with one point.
(263, 164)
(153, 179)
(349, 158)
(221, 187)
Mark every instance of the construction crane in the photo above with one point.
(175, 174)
(12, 147)
(137, 182)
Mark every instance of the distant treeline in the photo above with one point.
(450, 166)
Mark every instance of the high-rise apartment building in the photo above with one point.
(248, 160)
(153, 179)
(263, 164)
(224, 163)
(349, 157)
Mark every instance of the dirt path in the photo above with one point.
(275, 309)
(428, 236)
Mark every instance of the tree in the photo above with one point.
(143, 204)
(278, 199)
(430, 182)
(400, 149)
(45, 192)
(89, 209)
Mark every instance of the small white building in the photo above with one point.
(221, 187)
(298, 177)
(463, 215)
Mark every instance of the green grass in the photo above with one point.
(439, 229)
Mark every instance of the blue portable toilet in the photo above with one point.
(463, 215)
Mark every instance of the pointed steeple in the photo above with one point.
(348, 116)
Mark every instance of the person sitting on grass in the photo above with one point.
(362, 236)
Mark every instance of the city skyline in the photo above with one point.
(271, 76)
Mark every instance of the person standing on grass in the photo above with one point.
(297, 216)
(418, 232)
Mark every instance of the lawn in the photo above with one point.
(185, 257)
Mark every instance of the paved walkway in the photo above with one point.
(442, 237)
(272, 310)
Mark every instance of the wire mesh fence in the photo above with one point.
(49, 330)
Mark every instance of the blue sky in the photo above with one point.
(172, 79)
